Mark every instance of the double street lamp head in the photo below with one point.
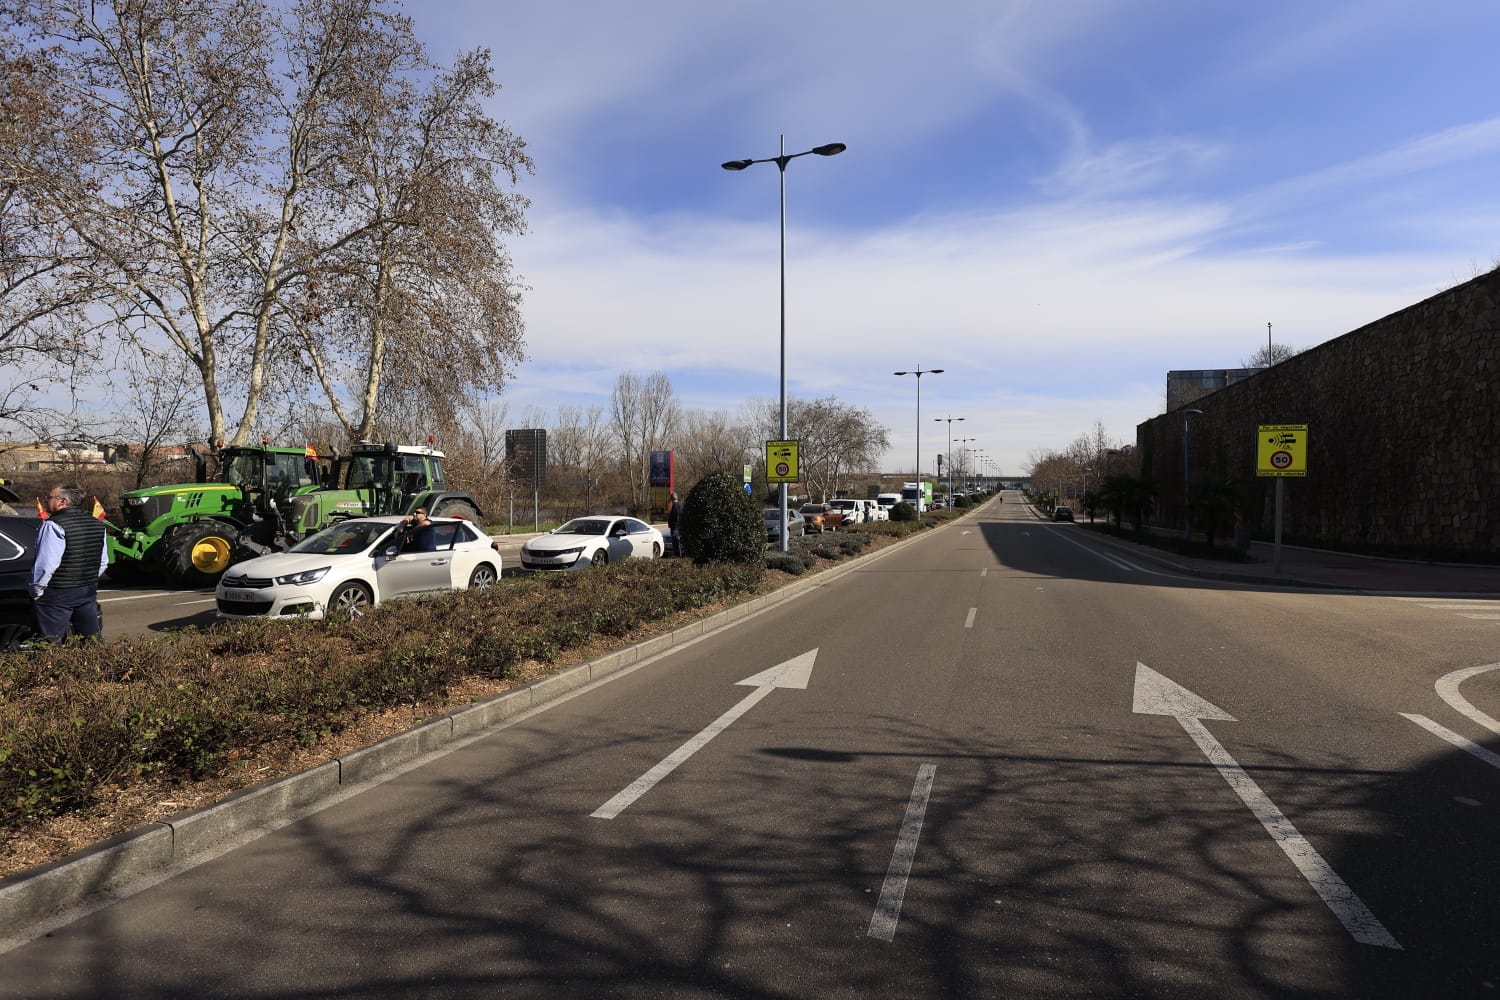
(827, 149)
(921, 371)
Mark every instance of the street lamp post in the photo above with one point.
(919, 372)
(1187, 511)
(950, 420)
(781, 160)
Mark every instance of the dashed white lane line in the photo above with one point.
(888, 909)
(969, 621)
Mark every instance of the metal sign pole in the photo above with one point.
(1276, 552)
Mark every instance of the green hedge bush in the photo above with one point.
(78, 717)
(720, 522)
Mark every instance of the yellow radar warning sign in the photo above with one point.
(1281, 450)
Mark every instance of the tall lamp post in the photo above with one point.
(781, 160)
(919, 372)
(938, 420)
(1187, 511)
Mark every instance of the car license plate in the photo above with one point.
(240, 595)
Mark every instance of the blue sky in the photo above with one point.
(1056, 202)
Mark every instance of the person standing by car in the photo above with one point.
(674, 523)
(70, 558)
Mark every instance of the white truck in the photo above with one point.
(919, 495)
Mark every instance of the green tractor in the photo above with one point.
(372, 479)
(268, 499)
(191, 532)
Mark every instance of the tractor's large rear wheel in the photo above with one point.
(198, 553)
(457, 508)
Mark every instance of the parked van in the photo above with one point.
(874, 512)
(885, 501)
(854, 511)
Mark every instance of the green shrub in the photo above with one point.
(903, 511)
(852, 544)
(794, 563)
(960, 502)
(720, 522)
(78, 717)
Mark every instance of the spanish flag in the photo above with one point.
(98, 510)
(41, 511)
(312, 453)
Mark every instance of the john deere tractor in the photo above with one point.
(372, 479)
(190, 532)
(268, 499)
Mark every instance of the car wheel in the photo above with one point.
(483, 577)
(601, 558)
(350, 601)
(656, 550)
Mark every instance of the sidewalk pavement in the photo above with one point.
(1321, 568)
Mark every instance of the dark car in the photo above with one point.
(1062, 514)
(17, 553)
(796, 526)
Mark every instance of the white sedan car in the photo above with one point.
(353, 564)
(592, 541)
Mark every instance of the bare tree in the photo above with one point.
(579, 450)
(225, 209)
(1271, 354)
(417, 180)
(643, 415)
(712, 442)
(836, 440)
(45, 283)
(160, 409)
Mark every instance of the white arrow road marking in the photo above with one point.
(794, 673)
(1447, 689)
(1462, 742)
(1156, 695)
(888, 909)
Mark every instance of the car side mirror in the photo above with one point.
(390, 553)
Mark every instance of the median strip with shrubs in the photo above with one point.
(81, 722)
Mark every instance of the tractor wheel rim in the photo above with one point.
(210, 555)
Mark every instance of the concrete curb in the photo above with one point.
(31, 896)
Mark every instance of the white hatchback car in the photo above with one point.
(353, 564)
(592, 541)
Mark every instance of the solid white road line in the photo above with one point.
(1447, 689)
(969, 621)
(1462, 742)
(888, 909)
(133, 597)
(1350, 910)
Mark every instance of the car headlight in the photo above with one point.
(302, 579)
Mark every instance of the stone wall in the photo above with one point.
(1403, 423)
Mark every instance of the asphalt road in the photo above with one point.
(997, 762)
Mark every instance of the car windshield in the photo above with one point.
(584, 526)
(344, 538)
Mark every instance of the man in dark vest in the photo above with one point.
(70, 558)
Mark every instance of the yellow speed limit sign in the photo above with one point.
(781, 462)
(1281, 450)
